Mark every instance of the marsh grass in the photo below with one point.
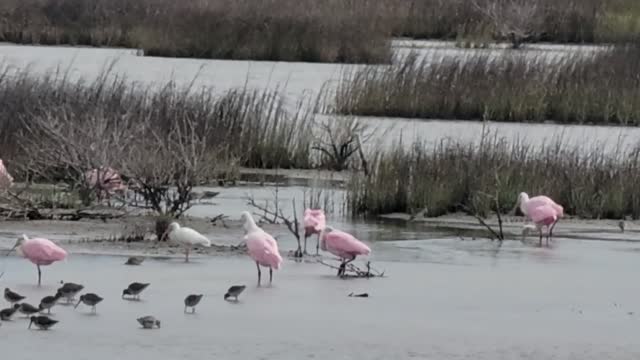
(286, 30)
(244, 127)
(592, 88)
(451, 177)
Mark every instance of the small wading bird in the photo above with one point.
(234, 292)
(542, 211)
(135, 260)
(263, 248)
(42, 322)
(148, 322)
(134, 289)
(39, 251)
(191, 301)
(89, 299)
(12, 297)
(186, 237)
(7, 314)
(343, 245)
(69, 290)
(28, 309)
(48, 302)
(314, 222)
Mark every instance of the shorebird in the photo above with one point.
(134, 260)
(7, 314)
(134, 290)
(234, 291)
(70, 290)
(42, 322)
(148, 322)
(89, 299)
(12, 297)
(28, 309)
(48, 302)
(191, 301)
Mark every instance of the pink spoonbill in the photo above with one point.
(343, 245)
(262, 247)
(542, 211)
(105, 181)
(186, 237)
(5, 178)
(314, 222)
(39, 251)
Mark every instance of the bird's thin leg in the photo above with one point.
(39, 274)
(305, 245)
(185, 309)
(259, 273)
(193, 310)
(270, 275)
(540, 236)
(187, 259)
(551, 229)
(236, 297)
(318, 245)
(341, 269)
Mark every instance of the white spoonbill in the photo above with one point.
(186, 237)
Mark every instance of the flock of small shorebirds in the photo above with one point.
(69, 291)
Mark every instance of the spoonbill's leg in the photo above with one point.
(39, 274)
(305, 244)
(259, 273)
(270, 275)
(318, 245)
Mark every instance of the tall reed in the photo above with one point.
(451, 177)
(597, 88)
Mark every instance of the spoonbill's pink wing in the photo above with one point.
(314, 221)
(344, 245)
(263, 249)
(5, 178)
(42, 251)
(543, 215)
(543, 200)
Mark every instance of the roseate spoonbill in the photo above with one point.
(186, 237)
(527, 204)
(314, 222)
(48, 302)
(148, 322)
(89, 299)
(28, 309)
(5, 178)
(12, 297)
(134, 289)
(192, 301)
(69, 290)
(42, 322)
(262, 247)
(39, 251)
(105, 181)
(234, 292)
(343, 245)
(7, 314)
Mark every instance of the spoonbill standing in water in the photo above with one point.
(39, 251)
(343, 245)
(314, 222)
(186, 237)
(262, 247)
(542, 211)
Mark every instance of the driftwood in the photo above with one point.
(350, 270)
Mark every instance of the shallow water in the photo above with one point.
(465, 300)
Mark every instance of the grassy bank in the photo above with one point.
(599, 88)
(241, 127)
(451, 177)
(287, 30)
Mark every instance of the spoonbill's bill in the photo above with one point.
(343, 245)
(186, 237)
(262, 247)
(314, 222)
(39, 251)
(5, 178)
(527, 205)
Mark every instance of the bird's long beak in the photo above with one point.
(78, 303)
(515, 207)
(11, 250)
(30, 322)
(164, 235)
